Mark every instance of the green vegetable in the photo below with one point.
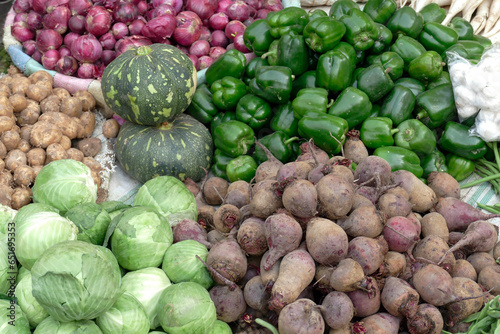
(377, 132)
(335, 68)
(375, 82)
(407, 48)
(272, 83)
(392, 62)
(456, 139)
(113, 208)
(327, 131)
(293, 52)
(433, 13)
(280, 145)
(398, 104)
(426, 67)
(284, 120)
(406, 21)
(53, 326)
(227, 92)
(415, 136)
(233, 138)
(254, 111)
(433, 162)
(92, 221)
(33, 311)
(272, 54)
(442, 79)
(241, 168)
(221, 327)
(6, 268)
(400, 158)
(257, 37)
(380, 10)
(342, 7)
(220, 163)
(414, 85)
(308, 100)
(353, 105)
(7, 215)
(437, 37)
(436, 106)
(12, 318)
(84, 276)
(361, 30)
(458, 167)
(220, 118)
(286, 20)
(231, 63)
(323, 33)
(252, 66)
(383, 40)
(64, 184)
(202, 106)
(463, 28)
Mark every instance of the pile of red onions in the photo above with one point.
(81, 37)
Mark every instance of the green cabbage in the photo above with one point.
(127, 316)
(7, 270)
(64, 184)
(12, 318)
(34, 312)
(221, 327)
(53, 326)
(76, 280)
(92, 222)
(114, 208)
(170, 197)
(186, 308)
(7, 215)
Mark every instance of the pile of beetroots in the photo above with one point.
(80, 37)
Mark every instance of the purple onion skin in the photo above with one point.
(135, 27)
(272, 5)
(218, 21)
(34, 20)
(53, 4)
(37, 56)
(131, 42)
(199, 48)
(108, 56)
(86, 49)
(107, 41)
(234, 28)
(262, 13)
(223, 5)
(39, 6)
(203, 8)
(80, 7)
(21, 6)
(64, 51)
(142, 7)
(194, 60)
(254, 4)
(125, 12)
(57, 19)
(98, 21)
(206, 33)
(69, 38)
(177, 4)
(20, 17)
(161, 10)
(76, 24)
(29, 47)
(160, 28)
(21, 31)
(47, 39)
(219, 38)
(50, 58)
(216, 51)
(204, 62)
(239, 44)
(119, 30)
(86, 71)
(183, 48)
(67, 65)
(238, 10)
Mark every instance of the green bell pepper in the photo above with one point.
(380, 10)
(334, 70)
(227, 92)
(456, 139)
(383, 41)
(426, 67)
(293, 52)
(463, 28)
(391, 61)
(342, 7)
(278, 143)
(315, 13)
(433, 162)
(323, 33)
(219, 172)
(241, 168)
(375, 82)
(437, 37)
(416, 86)
(257, 37)
(353, 105)
(220, 163)
(286, 20)
(398, 105)
(233, 138)
(436, 106)
(272, 83)
(406, 21)
(349, 51)
(310, 100)
(458, 167)
(407, 48)
(272, 54)
(442, 79)
(231, 63)
(377, 132)
(252, 66)
(220, 118)
(433, 13)
(361, 31)
(375, 111)
(327, 131)
(284, 120)
(400, 158)
(254, 111)
(484, 41)
(306, 80)
(415, 136)
(202, 107)
(474, 48)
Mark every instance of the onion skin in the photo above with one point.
(53, 4)
(86, 49)
(223, 5)
(131, 42)
(108, 56)
(107, 41)
(136, 26)
(161, 10)
(80, 7)
(203, 8)
(21, 6)
(188, 28)
(34, 20)
(21, 31)
(98, 21)
(39, 6)
(29, 47)
(216, 51)
(47, 39)
(20, 17)
(37, 56)
(204, 62)
(239, 44)
(64, 51)
(86, 71)
(238, 10)
(160, 28)
(219, 38)
(234, 28)
(218, 21)
(119, 30)
(57, 19)
(262, 14)
(206, 34)
(76, 24)
(199, 48)
(125, 12)
(66, 65)
(69, 38)
(50, 58)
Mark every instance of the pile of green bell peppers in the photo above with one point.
(380, 70)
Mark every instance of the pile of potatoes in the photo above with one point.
(40, 123)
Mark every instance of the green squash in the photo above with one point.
(150, 84)
(181, 148)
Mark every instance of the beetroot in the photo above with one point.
(326, 241)
(379, 323)
(368, 252)
(489, 278)
(252, 236)
(335, 196)
(434, 284)
(427, 320)
(394, 264)
(301, 316)
(269, 276)
(400, 234)
(364, 221)
(188, 229)
(229, 304)
(300, 198)
(227, 258)
(347, 276)
(394, 205)
(431, 250)
(463, 289)
(373, 171)
(366, 300)
(399, 298)
(226, 217)
(256, 295)
(269, 168)
(337, 309)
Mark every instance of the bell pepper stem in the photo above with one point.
(290, 140)
(269, 53)
(394, 131)
(422, 114)
(330, 103)
(481, 180)
(267, 325)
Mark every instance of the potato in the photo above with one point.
(5, 195)
(14, 71)
(41, 76)
(88, 122)
(50, 104)
(3, 150)
(6, 178)
(75, 154)
(89, 146)
(55, 152)
(20, 197)
(44, 133)
(24, 176)
(60, 92)
(65, 142)
(37, 169)
(110, 128)
(14, 159)
(36, 156)
(6, 107)
(37, 92)
(28, 116)
(24, 146)
(4, 94)
(6, 123)
(88, 100)
(72, 106)
(97, 178)
(10, 139)
(45, 85)
(2, 165)
(68, 125)
(19, 85)
(4, 88)
(25, 132)
(92, 164)
(18, 101)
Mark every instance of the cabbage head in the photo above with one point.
(146, 285)
(64, 184)
(126, 316)
(8, 265)
(181, 264)
(12, 318)
(221, 327)
(34, 312)
(21, 273)
(92, 222)
(7, 215)
(39, 226)
(114, 208)
(186, 308)
(76, 280)
(141, 237)
(53, 326)
(170, 197)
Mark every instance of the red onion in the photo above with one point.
(39, 6)
(77, 24)
(159, 28)
(239, 44)
(188, 28)
(50, 58)
(66, 65)
(125, 12)
(204, 8)
(108, 4)
(20, 17)
(21, 31)
(119, 30)
(248, 21)
(80, 7)
(199, 48)
(86, 48)
(234, 28)
(222, 6)
(177, 4)
(37, 56)
(108, 56)
(204, 62)
(86, 71)
(161, 10)
(230, 46)
(131, 42)
(183, 49)
(218, 21)
(238, 10)
(136, 27)
(194, 59)
(272, 5)
(206, 34)
(142, 7)
(64, 51)
(47, 39)
(156, 3)
(262, 13)
(219, 38)
(69, 38)
(107, 41)
(29, 47)
(216, 51)
(21, 6)
(98, 21)
(34, 20)
(255, 4)
(57, 19)
(53, 4)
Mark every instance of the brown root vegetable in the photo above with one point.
(393, 205)
(51, 103)
(269, 168)
(20, 197)
(294, 170)
(463, 268)
(434, 223)
(283, 234)
(371, 169)
(400, 234)
(215, 236)
(89, 146)
(10, 139)
(2, 165)
(480, 260)
(226, 217)
(252, 236)
(427, 320)
(379, 323)
(335, 196)
(326, 241)
(39, 76)
(227, 258)
(464, 291)
(229, 304)
(206, 215)
(393, 265)
(61, 92)
(422, 196)
(24, 146)
(337, 309)
(301, 316)
(459, 214)
(87, 120)
(28, 116)
(110, 128)
(6, 178)
(354, 148)
(295, 274)
(434, 284)
(67, 125)
(368, 252)
(489, 277)
(37, 92)
(55, 152)
(92, 163)
(399, 191)
(18, 102)
(365, 221)
(88, 100)
(214, 190)
(496, 251)
(399, 298)
(44, 133)
(25, 132)
(238, 194)
(366, 299)
(6, 123)
(36, 156)
(65, 142)
(443, 184)
(269, 276)
(322, 278)
(359, 201)
(265, 202)
(300, 198)
(188, 229)
(72, 106)
(14, 159)
(24, 176)
(255, 294)
(431, 249)
(6, 194)
(347, 276)
(19, 85)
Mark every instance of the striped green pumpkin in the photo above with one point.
(150, 84)
(181, 148)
